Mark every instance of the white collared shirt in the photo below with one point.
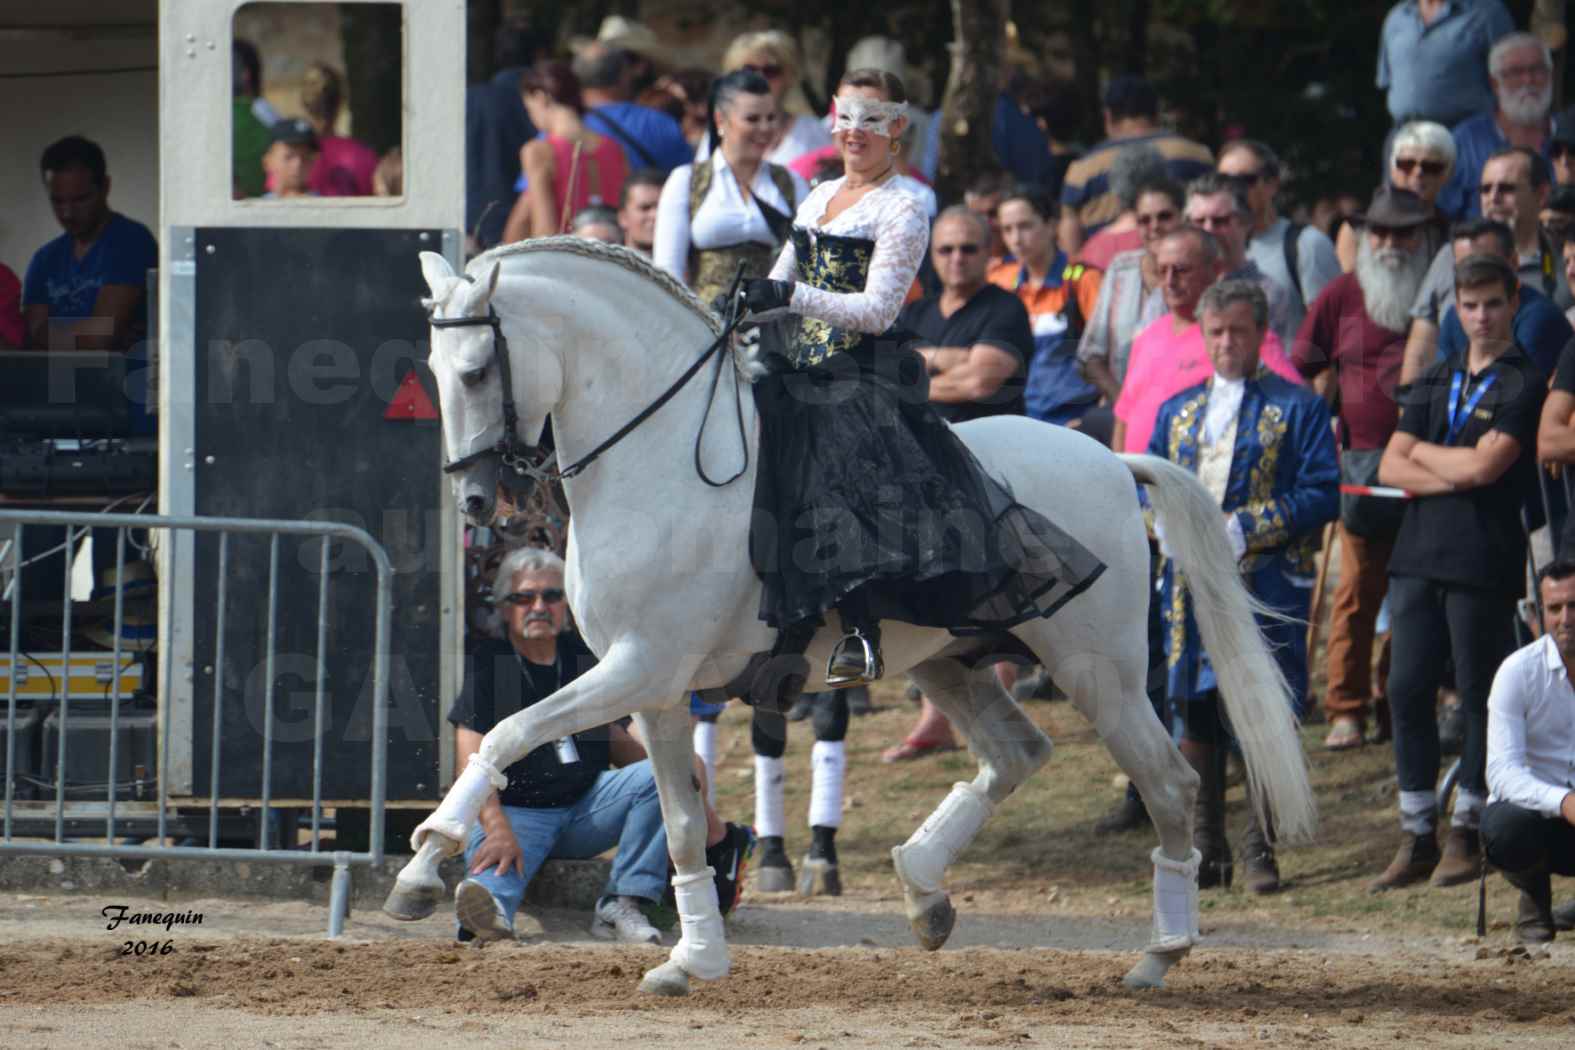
(724, 217)
(1531, 730)
(1224, 404)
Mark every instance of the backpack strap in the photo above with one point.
(1290, 246)
(1071, 279)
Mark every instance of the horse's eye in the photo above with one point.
(474, 376)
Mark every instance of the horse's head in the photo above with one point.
(465, 360)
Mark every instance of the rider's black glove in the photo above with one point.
(761, 295)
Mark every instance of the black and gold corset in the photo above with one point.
(832, 263)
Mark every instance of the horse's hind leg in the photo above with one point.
(701, 950)
(1108, 690)
(1008, 747)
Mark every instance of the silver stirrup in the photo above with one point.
(872, 663)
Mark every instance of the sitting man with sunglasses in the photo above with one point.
(574, 798)
(975, 337)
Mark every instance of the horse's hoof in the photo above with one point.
(774, 879)
(1151, 969)
(410, 901)
(932, 923)
(666, 979)
(819, 878)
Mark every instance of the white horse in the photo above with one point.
(662, 589)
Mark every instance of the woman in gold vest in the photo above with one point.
(733, 206)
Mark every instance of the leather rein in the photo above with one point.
(523, 459)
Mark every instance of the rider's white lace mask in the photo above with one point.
(855, 112)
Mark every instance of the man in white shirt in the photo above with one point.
(1528, 828)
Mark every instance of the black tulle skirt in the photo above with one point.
(863, 488)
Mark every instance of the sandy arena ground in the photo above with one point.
(262, 975)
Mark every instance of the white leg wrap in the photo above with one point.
(768, 797)
(828, 768)
(701, 951)
(457, 812)
(1175, 902)
(705, 747)
(922, 861)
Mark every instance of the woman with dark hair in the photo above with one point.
(569, 168)
(732, 207)
(865, 488)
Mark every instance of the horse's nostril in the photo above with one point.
(474, 504)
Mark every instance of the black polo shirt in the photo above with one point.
(993, 316)
(499, 682)
(1473, 537)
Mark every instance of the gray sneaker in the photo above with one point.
(479, 913)
(620, 919)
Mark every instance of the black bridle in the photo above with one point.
(522, 459)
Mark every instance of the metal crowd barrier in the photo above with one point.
(12, 524)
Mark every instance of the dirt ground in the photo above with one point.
(1050, 917)
(261, 975)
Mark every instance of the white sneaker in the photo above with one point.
(620, 919)
(479, 912)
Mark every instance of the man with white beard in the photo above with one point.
(1356, 327)
(1521, 70)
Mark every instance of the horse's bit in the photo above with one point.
(526, 461)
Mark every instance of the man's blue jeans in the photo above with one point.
(621, 810)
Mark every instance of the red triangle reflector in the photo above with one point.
(411, 401)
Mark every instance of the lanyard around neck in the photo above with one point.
(1460, 415)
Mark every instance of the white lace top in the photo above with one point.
(890, 216)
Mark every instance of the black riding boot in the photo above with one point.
(1257, 853)
(1208, 827)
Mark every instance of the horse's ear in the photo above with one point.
(480, 293)
(439, 274)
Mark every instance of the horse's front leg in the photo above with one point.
(701, 950)
(612, 689)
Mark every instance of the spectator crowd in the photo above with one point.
(1386, 383)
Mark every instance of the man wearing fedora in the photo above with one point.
(1353, 340)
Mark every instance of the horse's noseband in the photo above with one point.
(509, 450)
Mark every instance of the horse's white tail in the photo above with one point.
(1257, 698)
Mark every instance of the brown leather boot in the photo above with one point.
(1414, 861)
(1462, 859)
(1534, 922)
(1262, 871)
(1208, 821)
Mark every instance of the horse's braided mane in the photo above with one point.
(629, 259)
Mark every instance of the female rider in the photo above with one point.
(865, 499)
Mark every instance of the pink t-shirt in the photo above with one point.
(1163, 363)
(344, 168)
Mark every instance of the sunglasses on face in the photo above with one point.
(771, 70)
(1156, 218)
(1560, 150)
(1409, 164)
(960, 249)
(549, 595)
(1493, 189)
(1246, 179)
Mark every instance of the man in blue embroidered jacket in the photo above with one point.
(1264, 448)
